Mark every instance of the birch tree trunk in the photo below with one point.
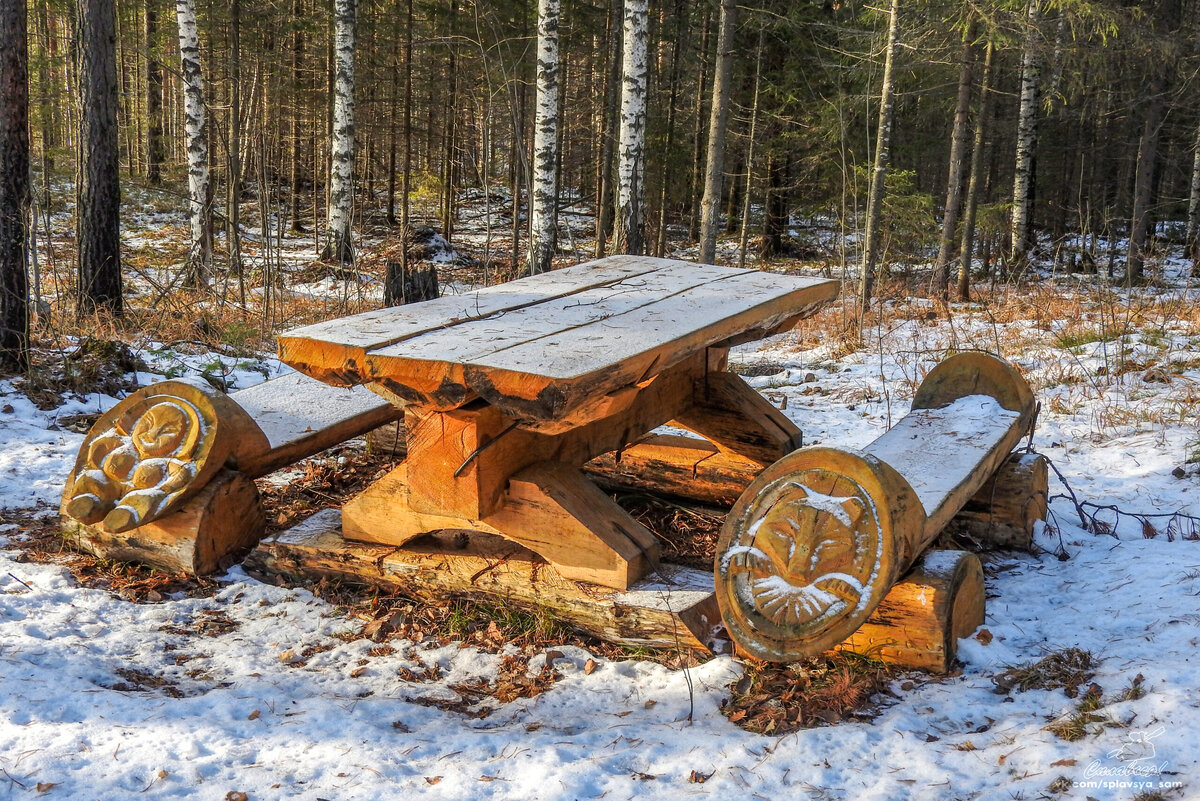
(631, 150)
(14, 185)
(958, 155)
(543, 222)
(976, 181)
(196, 133)
(1027, 133)
(714, 169)
(883, 140)
(338, 246)
(97, 222)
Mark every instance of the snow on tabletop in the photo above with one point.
(937, 449)
(247, 715)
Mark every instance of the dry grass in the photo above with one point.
(1067, 670)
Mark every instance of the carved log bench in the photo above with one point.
(165, 477)
(817, 540)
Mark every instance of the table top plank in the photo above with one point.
(483, 340)
(538, 348)
(333, 350)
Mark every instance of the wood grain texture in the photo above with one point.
(674, 610)
(542, 346)
(145, 457)
(550, 508)
(1004, 511)
(921, 619)
(300, 416)
(739, 420)
(683, 467)
(917, 625)
(208, 533)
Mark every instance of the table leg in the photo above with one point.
(738, 420)
(473, 468)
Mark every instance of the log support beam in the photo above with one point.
(209, 532)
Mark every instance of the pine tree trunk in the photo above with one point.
(297, 225)
(714, 169)
(393, 87)
(631, 151)
(98, 217)
(14, 185)
(154, 99)
(233, 201)
(698, 149)
(958, 155)
(1166, 23)
(393, 284)
(1143, 182)
(449, 149)
(743, 239)
(883, 140)
(1193, 219)
(338, 245)
(48, 114)
(543, 221)
(660, 244)
(605, 170)
(1027, 135)
(975, 187)
(196, 131)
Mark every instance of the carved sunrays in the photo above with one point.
(133, 471)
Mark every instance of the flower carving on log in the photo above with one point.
(138, 468)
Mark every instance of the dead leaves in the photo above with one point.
(205, 623)
(776, 699)
(513, 681)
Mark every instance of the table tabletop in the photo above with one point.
(540, 346)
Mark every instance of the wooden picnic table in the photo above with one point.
(510, 389)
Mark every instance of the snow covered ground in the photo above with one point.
(258, 690)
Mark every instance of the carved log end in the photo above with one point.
(149, 454)
(810, 550)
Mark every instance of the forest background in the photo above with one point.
(958, 137)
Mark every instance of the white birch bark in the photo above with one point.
(341, 172)
(1027, 123)
(631, 148)
(543, 222)
(883, 143)
(196, 133)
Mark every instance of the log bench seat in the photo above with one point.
(818, 539)
(165, 477)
